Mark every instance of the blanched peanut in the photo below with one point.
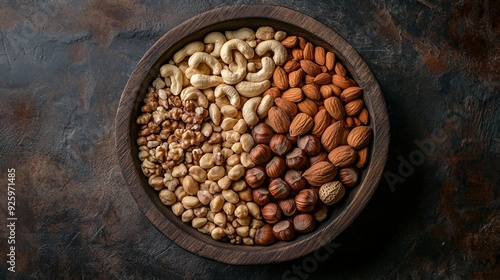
(215, 173)
(245, 195)
(167, 197)
(236, 172)
(246, 161)
(233, 160)
(256, 224)
(207, 228)
(206, 129)
(227, 145)
(217, 203)
(247, 142)
(198, 222)
(177, 208)
(229, 111)
(199, 174)
(206, 161)
(254, 210)
(241, 211)
(240, 126)
(210, 216)
(244, 221)
(190, 185)
(242, 231)
(230, 196)
(248, 240)
(179, 171)
(239, 185)
(217, 233)
(180, 193)
(190, 202)
(229, 229)
(187, 216)
(228, 123)
(200, 212)
(224, 183)
(220, 219)
(228, 208)
(237, 148)
(204, 197)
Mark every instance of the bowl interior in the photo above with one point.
(232, 18)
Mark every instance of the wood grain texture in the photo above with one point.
(231, 18)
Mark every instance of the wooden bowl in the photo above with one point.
(232, 18)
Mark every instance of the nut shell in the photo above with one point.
(304, 223)
(280, 144)
(271, 213)
(255, 177)
(261, 154)
(349, 176)
(279, 188)
(331, 192)
(306, 200)
(310, 144)
(295, 180)
(296, 159)
(288, 206)
(275, 167)
(283, 230)
(262, 133)
(264, 236)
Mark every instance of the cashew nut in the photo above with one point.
(264, 73)
(264, 106)
(279, 51)
(236, 44)
(191, 93)
(175, 75)
(252, 89)
(244, 33)
(209, 60)
(201, 81)
(230, 92)
(249, 111)
(187, 50)
(237, 76)
(218, 39)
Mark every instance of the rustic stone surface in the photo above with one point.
(63, 66)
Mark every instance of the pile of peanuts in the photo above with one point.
(196, 134)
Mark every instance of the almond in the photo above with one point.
(332, 136)
(309, 51)
(321, 122)
(319, 55)
(273, 91)
(320, 173)
(310, 67)
(359, 137)
(311, 92)
(291, 66)
(354, 107)
(335, 108)
(350, 94)
(288, 106)
(290, 41)
(308, 106)
(323, 79)
(362, 157)
(278, 119)
(364, 117)
(340, 70)
(326, 91)
(301, 124)
(342, 82)
(343, 156)
(336, 90)
(293, 95)
(308, 79)
(297, 54)
(280, 78)
(302, 42)
(330, 60)
(295, 78)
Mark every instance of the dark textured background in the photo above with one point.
(63, 65)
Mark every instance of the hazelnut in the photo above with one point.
(260, 154)
(262, 133)
(284, 230)
(304, 223)
(322, 156)
(261, 196)
(288, 206)
(306, 200)
(279, 188)
(320, 213)
(310, 144)
(264, 236)
(296, 159)
(331, 192)
(280, 144)
(349, 176)
(292, 139)
(275, 167)
(255, 177)
(271, 213)
(295, 180)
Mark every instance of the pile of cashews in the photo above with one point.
(235, 65)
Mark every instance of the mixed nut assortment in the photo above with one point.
(250, 136)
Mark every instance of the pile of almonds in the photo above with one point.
(250, 136)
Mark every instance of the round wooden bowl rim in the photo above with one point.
(183, 234)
